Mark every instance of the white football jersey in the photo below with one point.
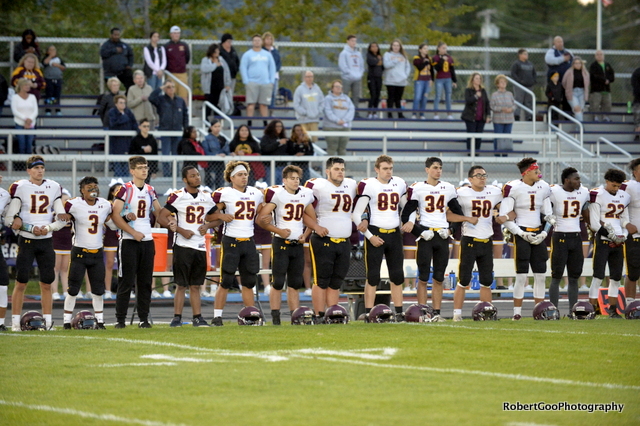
(289, 208)
(334, 205)
(242, 206)
(140, 202)
(632, 187)
(432, 202)
(480, 205)
(527, 202)
(567, 207)
(88, 221)
(37, 203)
(190, 210)
(5, 197)
(610, 206)
(384, 200)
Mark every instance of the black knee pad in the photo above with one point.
(227, 281)
(279, 285)
(335, 284)
(373, 283)
(396, 278)
(248, 281)
(72, 291)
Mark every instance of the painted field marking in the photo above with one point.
(533, 330)
(86, 414)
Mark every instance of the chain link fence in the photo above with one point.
(83, 73)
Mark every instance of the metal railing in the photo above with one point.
(533, 103)
(190, 93)
(206, 124)
(611, 144)
(561, 131)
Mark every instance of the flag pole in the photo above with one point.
(599, 26)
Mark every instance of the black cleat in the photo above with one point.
(275, 318)
(67, 326)
(613, 313)
(120, 325)
(176, 322)
(100, 326)
(3, 327)
(400, 317)
(200, 322)
(144, 324)
(217, 322)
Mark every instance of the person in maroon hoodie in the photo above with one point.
(446, 80)
(178, 56)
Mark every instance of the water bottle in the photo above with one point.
(452, 280)
(629, 107)
(403, 104)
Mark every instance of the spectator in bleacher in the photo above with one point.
(374, 76)
(145, 144)
(503, 105)
(422, 78)
(138, 99)
(339, 112)
(523, 72)
(155, 61)
(635, 85)
(258, 71)
(53, 68)
(178, 56)
(24, 107)
(308, 102)
(215, 76)
(601, 75)
(274, 142)
(189, 145)
(576, 87)
(477, 110)
(446, 79)
(172, 115)
(243, 143)
(4, 92)
(215, 144)
(106, 100)
(29, 68)
(267, 44)
(352, 68)
(231, 57)
(117, 59)
(555, 94)
(28, 44)
(120, 118)
(559, 59)
(396, 74)
(300, 144)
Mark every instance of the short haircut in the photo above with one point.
(566, 173)
(185, 170)
(291, 169)
(116, 98)
(22, 82)
(138, 72)
(350, 36)
(521, 51)
(232, 165)
(429, 161)
(634, 163)
(112, 80)
(383, 159)
(472, 170)
(524, 164)
(137, 161)
(144, 120)
(256, 35)
(336, 81)
(333, 160)
(114, 29)
(500, 77)
(615, 175)
(86, 181)
(34, 158)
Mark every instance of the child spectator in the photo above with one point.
(53, 68)
(555, 94)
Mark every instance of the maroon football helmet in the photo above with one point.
(302, 316)
(582, 311)
(336, 314)
(381, 313)
(32, 320)
(633, 310)
(484, 311)
(250, 315)
(418, 313)
(84, 320)
(545, 311)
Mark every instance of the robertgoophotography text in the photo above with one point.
(562, 406)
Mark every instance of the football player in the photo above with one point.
(329, 244)
(608, 218)
(190, 205)
(632, 245)
(528, 198)
(380, 197)
(88, 215)
(438, 205)
(30, 212)
(570, 203)
(288, 203)
(136, 248)
(5, 198)
(238, 205)
(476, 244)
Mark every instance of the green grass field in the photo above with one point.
(358, 374)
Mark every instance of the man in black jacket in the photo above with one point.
(523, 72)
(172, 115)
(601, 75)
(635, 84)
(117, 59)
(229, 54)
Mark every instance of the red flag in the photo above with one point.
(606, 3)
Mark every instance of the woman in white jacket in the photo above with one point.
(214, 75)
(396, 74)
(24, 107)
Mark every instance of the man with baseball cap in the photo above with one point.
(178, 56)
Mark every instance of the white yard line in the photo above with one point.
(86, 414)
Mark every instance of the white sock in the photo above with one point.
(15, 319)
(517, 310)
(98, 303)
(457, 312)
(595, 286)
(47, 320)
(4, 300)
(70, 303)
(67, 318)
(2, 321)
(217, 313)
(100, 317)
